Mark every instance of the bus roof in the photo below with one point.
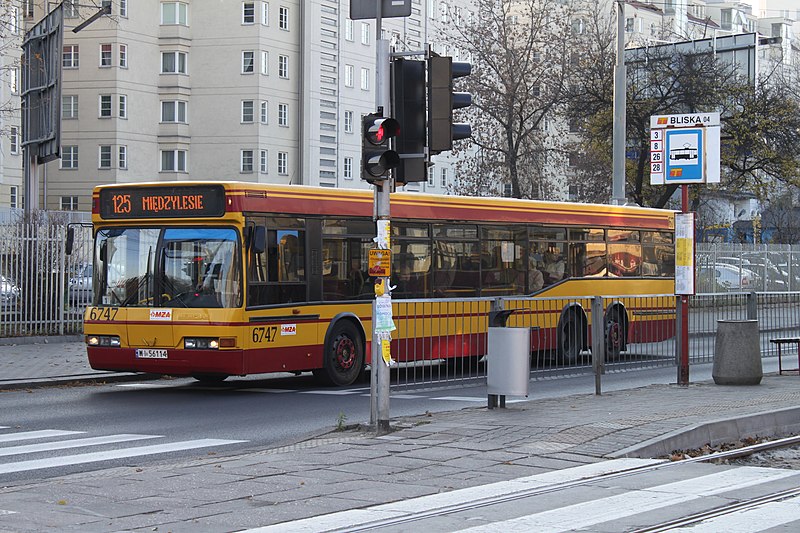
(303, 200)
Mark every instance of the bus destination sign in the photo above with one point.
(163, 202)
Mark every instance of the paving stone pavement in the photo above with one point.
(426, 454)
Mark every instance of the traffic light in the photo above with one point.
(376, 156)
(408, 105)
(442, 131)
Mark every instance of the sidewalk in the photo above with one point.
(26, 361)
(428, 454)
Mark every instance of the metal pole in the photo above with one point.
(598, 351)
(683, 368)
(618, 183)
(379, 412)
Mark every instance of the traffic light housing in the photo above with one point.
(377, 158)
(408, 105)
(442, 100)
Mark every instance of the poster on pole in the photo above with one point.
(684, 253)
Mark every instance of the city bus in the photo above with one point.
(218, 279)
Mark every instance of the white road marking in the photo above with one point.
(271, 391)
(67, 460)
(42, 434)
(73, 443)
(767, 516)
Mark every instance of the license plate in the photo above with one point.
(150, 353)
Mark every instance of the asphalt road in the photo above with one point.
(173, 417)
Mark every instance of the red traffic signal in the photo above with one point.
(376, 157)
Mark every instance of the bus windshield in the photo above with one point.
(172, 267)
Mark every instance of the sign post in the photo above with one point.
(684, 149)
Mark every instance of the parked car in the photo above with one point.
(9, 295)
(731, 277)
(80, 285)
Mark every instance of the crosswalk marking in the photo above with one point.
(593, 512)
(73, 443)
(4, 512)
(355, 517)
(271, 391)
(460, 398)
(41, 434)
(68, 460)
(767, 516)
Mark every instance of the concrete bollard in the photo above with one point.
(737, 355)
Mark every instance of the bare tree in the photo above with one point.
(520, 51)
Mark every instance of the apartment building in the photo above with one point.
(11, 33)
(260, 91)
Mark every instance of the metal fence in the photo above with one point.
(747, 267)
(39, 291)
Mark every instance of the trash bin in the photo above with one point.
(508, 359)
(737, 355)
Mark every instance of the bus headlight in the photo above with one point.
(200, 343)
(103, 340)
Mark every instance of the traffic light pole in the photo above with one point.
(379, 376)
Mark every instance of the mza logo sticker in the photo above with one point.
(288, 329)
(161, 314)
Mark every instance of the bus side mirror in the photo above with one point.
(70, 239)
(102, 251)
(259, 242)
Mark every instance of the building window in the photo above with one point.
(283, 163)
(431, 176)
(248, 58)
(123, 8)
(70, 56)
(173, 13)
(123, 106)
(248, 13)
(173, 62)
(263, 166)
(247, 161)
(264, 62)
(69, 157)
(364, 33)
(70, 9)
(14, 80)
(283, 66)
(173, 111)
(14, 197)
(348, 75)
(123, 56)
(13, 137)
(348, 168)
(283, 18)
(264, 112)
(443, 175)
(105, 156)
(364, 79)
(123, 157)
(27, 9)
(348, 121)
(265, 13)
(348, 30)
(283, 115)
(105, 106)
(69, 203)
(173, 160)
(105, 55)
(248, 111)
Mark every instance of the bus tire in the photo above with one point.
(570, 342)
(343, 358)
(614, 335)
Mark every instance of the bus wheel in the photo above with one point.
(210, 379)
(615, 336)
(343, 357)
(569, 347)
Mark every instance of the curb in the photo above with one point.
(55, 381)
(780, 423)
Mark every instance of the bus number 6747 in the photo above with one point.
(264, 334)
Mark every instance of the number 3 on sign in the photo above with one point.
(656, 135)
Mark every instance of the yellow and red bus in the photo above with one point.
(216, 279)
